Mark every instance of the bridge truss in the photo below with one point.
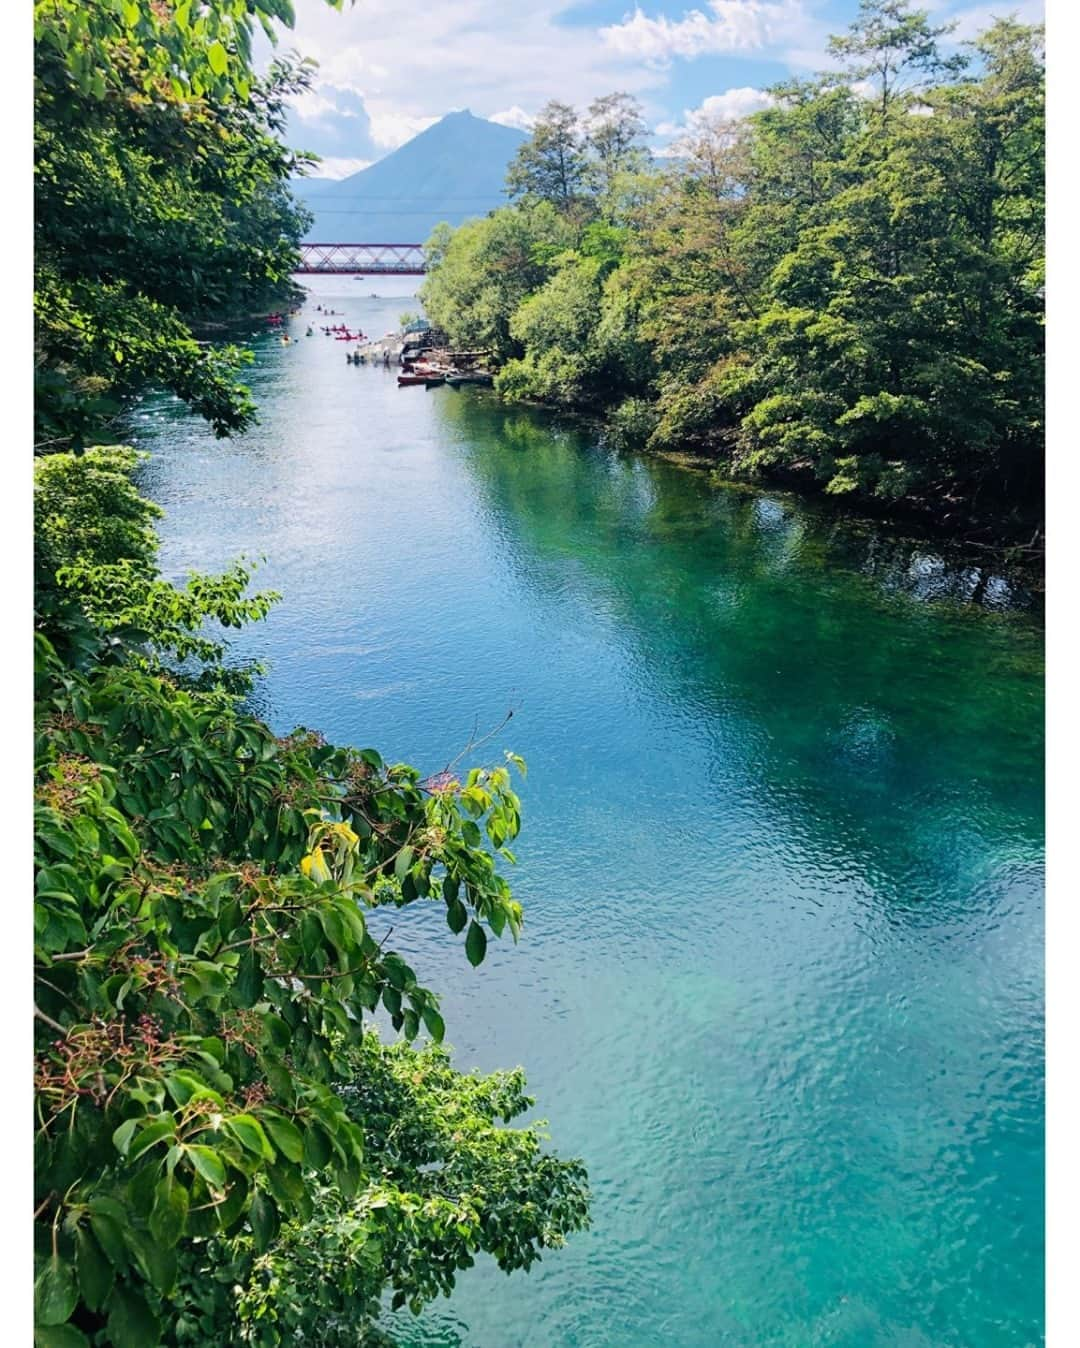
(363, 259)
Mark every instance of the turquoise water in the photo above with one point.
(781, 980)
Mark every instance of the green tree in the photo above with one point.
(556, 329)
(614, 128)
(698, 273)
(161, 201)
(579, 331)
(552, 165)
(479, 274)
(899, 348)
(894, 48)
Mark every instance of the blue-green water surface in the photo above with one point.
(781, 978)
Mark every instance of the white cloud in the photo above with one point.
(729, 26)
(514, 116)
(391, 127)
(333, 167)
(726, 107)
(496, 59)
(384, 75)
(974, 19)
(315, 106)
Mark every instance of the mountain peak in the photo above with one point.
(453, 170)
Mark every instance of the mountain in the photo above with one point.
(452, 171)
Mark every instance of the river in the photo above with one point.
(781, 981)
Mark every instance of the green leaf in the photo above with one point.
(317, 1148)
(277, 1031)
(56, 1293)
(132, 1324)
(263, 1217)
(354, 920)
(168, 1216)
(94, 1269)
(475, 944)
(398, 972)
(236, 1200)
(403, 862)
(153, 1133)
(59, 1336)
(208, 1163)
(287, 1186)
(311, 934)
(110, 1236)
(122, 1136)
(249, 1133)
(286, 1136)
(218, 58)
(183, 1086)
(334, 927)
(248, 984)
(456, 915)
(433, 1023)
(213, 981)
(157, 1261)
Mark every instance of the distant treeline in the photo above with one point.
(845, 288)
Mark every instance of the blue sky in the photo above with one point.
(387, 70)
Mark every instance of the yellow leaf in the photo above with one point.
(315, 868)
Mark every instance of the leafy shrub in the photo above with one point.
(632, 423)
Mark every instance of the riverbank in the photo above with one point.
(289, 303)
(1011, 546)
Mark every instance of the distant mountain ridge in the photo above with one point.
(454, 170)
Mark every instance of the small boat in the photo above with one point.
(405, 380)
(470, 377)
(434, 380)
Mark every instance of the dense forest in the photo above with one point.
(226, 1149)
(843, 291)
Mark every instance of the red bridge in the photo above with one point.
(364, 259)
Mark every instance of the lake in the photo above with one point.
(781, 980)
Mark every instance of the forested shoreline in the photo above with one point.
(226, 1150)
(842, 292)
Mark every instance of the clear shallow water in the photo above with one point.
(781, 980)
